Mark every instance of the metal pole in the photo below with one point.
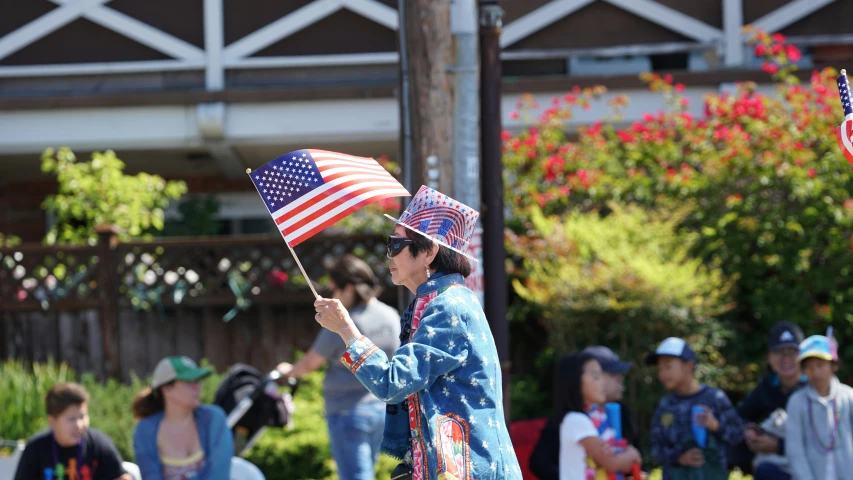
(494, 253)
(405, 109)
(466, 110)
(403, 295)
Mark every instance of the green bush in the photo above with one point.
(771, 189)
(626, 280)
(302, 452)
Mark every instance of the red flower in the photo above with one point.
(625, 136)
(667, 78)
(679, 87)
(798, 145)
(576, 89)
(277, 278)
(848, 204)
(775, 49)
(793, 53)
(555, 101)
(685, 102)
(648, 117)
(778, 38)
(569, 98)
(505, 135)
(770, 68)
(812, 173)
(760, 50)
(513, 115)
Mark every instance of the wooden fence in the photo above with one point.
(116, 308)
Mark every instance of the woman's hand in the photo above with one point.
(332, 316)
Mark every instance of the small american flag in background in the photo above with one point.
(307, 191)
(844, 133)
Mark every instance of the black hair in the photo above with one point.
(445, 261)
(568, 392)
(350, 270)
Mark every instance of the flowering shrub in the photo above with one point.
(769, 189)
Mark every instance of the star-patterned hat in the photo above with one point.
(440, 218)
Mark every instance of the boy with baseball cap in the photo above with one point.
(673, 442)
(819, 429)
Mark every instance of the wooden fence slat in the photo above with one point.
(188, 333)
(132, 345)
(95, 342)
(217, 345)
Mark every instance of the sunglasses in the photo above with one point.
(397, 245)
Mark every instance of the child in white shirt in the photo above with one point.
(583, 455)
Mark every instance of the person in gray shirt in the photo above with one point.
(355, 417)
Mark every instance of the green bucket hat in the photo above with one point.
(177, 368)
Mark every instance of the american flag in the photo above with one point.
(307, 191)
(844, 133)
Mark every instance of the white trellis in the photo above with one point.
(216, 57)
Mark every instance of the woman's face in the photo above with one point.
(183, 394)
(407, 269)
(784, 362)
(592, 383)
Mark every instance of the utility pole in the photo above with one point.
(426, 55)
(492, 186)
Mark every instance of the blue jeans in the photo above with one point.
(770, 471)
(355, 436)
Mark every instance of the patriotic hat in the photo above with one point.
(818, 346)
(440, 218)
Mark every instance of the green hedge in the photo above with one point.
(302, 452)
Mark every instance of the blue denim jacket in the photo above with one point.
(213, 433)
(447, 372)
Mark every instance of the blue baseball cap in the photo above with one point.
(818, 346)
(672, 347)
(609, 361)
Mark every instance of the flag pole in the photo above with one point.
(298, 263)
(311, 285)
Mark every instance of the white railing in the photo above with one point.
(216, 58)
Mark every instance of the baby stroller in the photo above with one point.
(252, 403)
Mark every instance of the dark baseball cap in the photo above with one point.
(785, 335)
(672, 347)
(609, 361)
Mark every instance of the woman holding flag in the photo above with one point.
(442, 387)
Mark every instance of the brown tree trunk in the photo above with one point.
(430, 56)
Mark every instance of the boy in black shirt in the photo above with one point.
(771, 393)
(70, 447)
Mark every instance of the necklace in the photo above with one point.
(834, 439)
(56, 452)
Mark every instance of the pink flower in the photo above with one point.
(648, 117)
(812, 173)
(770, 68)
(679, 87)
(513, 115)
(505, 135)
(793, 53)
(778, 37)
(277, 278)
(569, 98)
(667, 78)
(760, 50)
